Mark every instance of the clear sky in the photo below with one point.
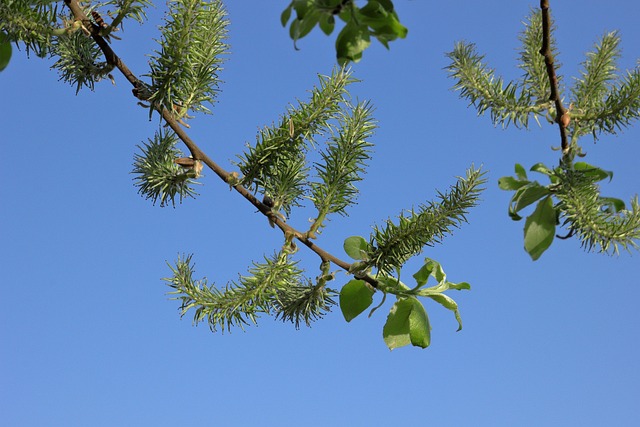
(88, 336)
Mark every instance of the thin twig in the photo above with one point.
(197, 153)
(545, 51)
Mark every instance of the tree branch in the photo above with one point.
(196, 152)
(561, 113)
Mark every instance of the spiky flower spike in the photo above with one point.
(158, 175)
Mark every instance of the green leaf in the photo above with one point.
(355, 297)
(356, 247)
(391, 30)
(509, 183)
(286, 14)
(407, 323)
(382, 21)
(345, 14)
(374, 11)
(459, 286)
(351, 42)
(385, 35)
(303, 26)
(612, 204)
(387, 4)
(430, 268)
(448, 303)
(302, 6)
(327, 23)
(396, 330)
(419, 327)
(5, 51)
(391, 284)
(540, 228)
(542, 168)
(593, 172)
(520, 172)
(422, 275)
(525, 196)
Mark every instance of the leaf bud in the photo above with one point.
(190, 163)
(291, 129)
(185, 162)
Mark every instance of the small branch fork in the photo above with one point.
(197, 153)
(562, 117)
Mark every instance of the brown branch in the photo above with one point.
(545, 50)
(196, 152)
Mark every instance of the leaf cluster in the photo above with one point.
(184, 71)
(376, 19)
(601, 223)
(407, 322)
(389, 247)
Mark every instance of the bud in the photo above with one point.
(186, 162)
(197, 168)
(190, 163)
(291, 128)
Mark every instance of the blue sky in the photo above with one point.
(90, 338)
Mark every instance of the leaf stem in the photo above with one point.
(554, 96)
